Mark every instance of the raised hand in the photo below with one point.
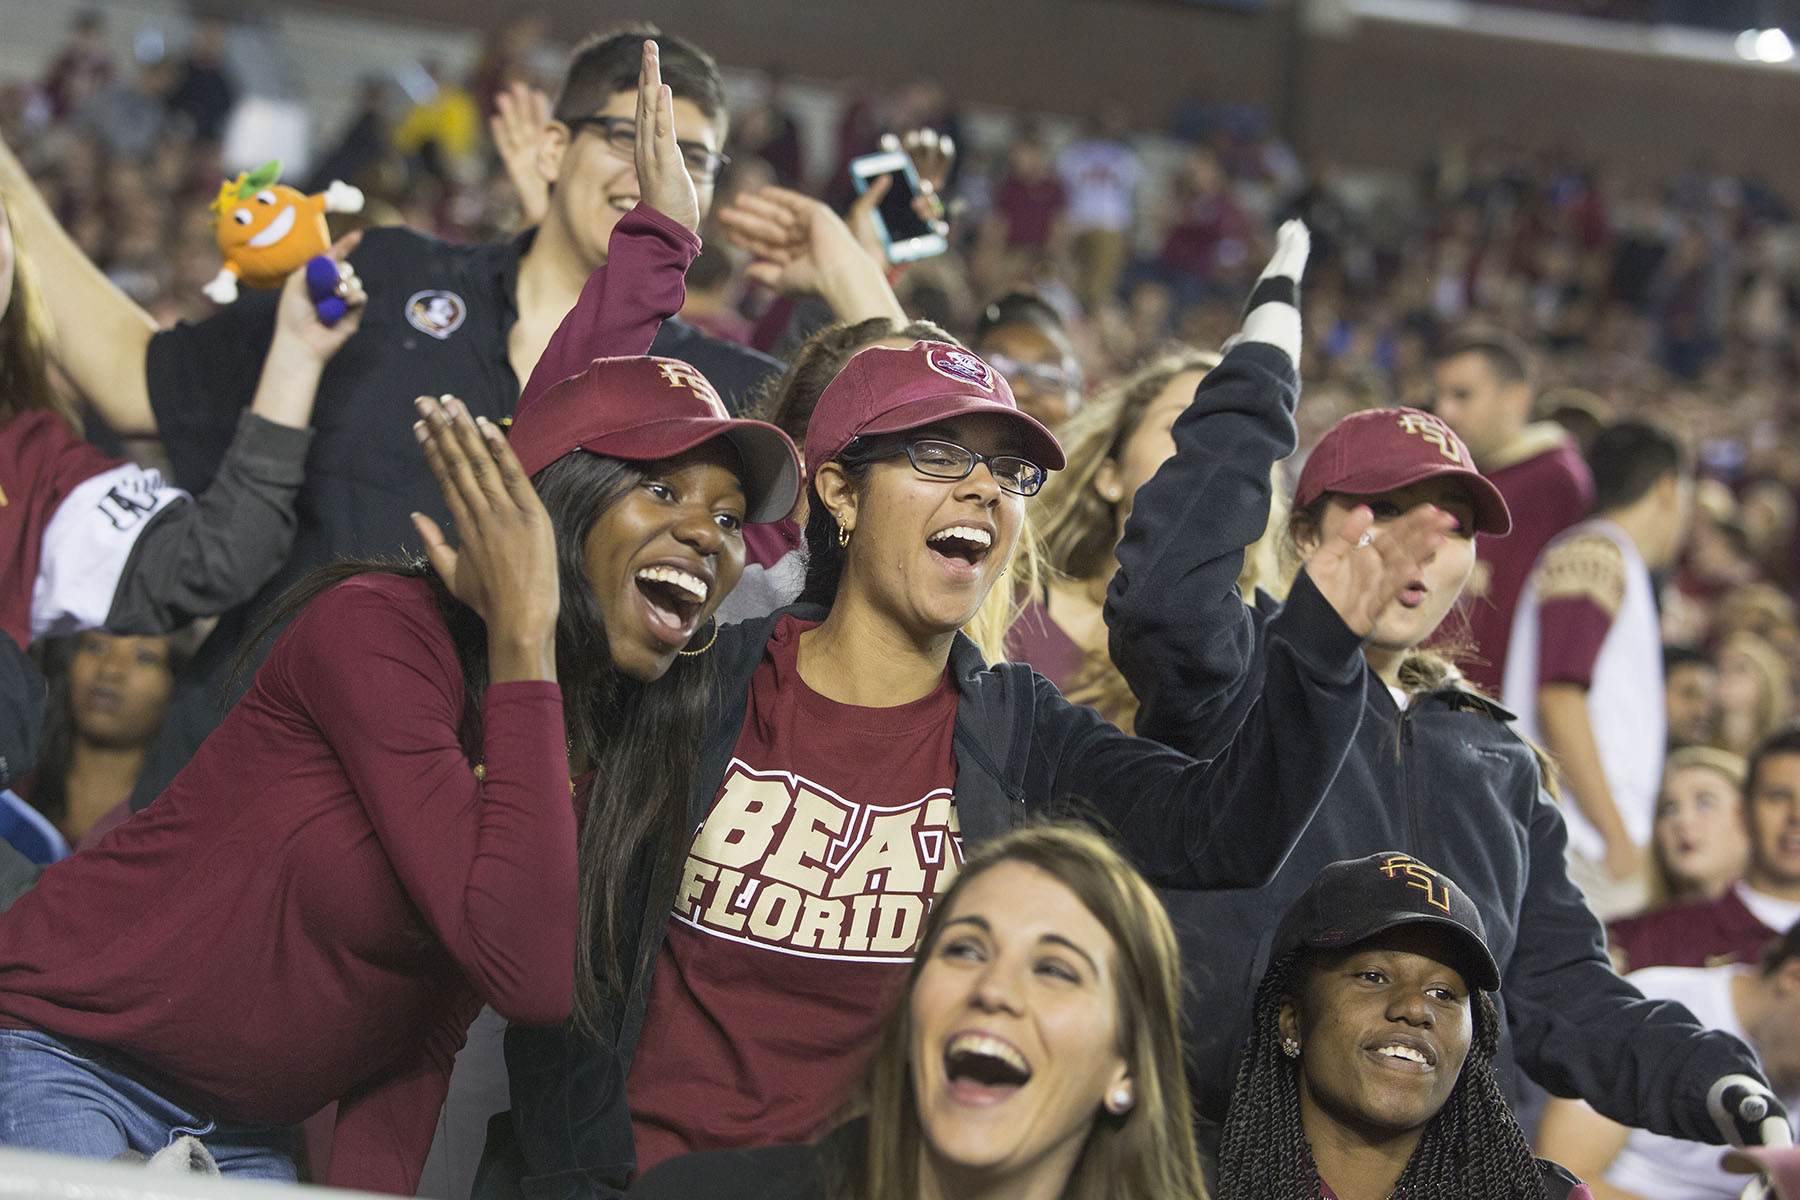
(521, 113)
(663, 179)
(297, 318)
(801, 247)
(1361, 569)
(505, 564)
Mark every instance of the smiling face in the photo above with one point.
(925, 551)
(1014, 1028)
(119, 689)
(270, 232)
(1774, 819)
(1416, 612)
(1383, 1029)
(662, 557)
(1045, 379)
(1699, 831)
(593, 184)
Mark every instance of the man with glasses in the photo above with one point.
(467, 320)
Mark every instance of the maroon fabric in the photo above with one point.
(798, 910)
(1698, 933)
(1037, 639)
(1571, 631)
(1030, 207)
(1197, 241)
(321, 901)
(1380, 449)
(41, 462)
(769, 543)
(1546, 494)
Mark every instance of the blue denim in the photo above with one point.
(69, 1097)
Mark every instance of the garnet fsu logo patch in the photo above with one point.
(961, 365)
(436, 312)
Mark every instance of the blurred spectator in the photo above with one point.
(108, 696)
(442, 129)
(129, 117)
(1026, 224)
(1100, 173)
(1023, 338)
(505, 58)
(1584, 663)
(1690, 696)
(1755, 691)
(204, 93)
(82, 67)
(1699, 844)
(768, 130)
(1736, 925)
(1207, 250)
(1483, 383)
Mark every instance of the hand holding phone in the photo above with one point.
(905, 235)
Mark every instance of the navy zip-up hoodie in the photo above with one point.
(1446, 781)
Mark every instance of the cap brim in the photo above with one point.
(771, 468)
(1491, 514)
(1041, 446)
(1477, 968)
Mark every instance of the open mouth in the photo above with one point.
(984, 1069)
(675, 598)
(1413, 594)
(962, 544)
(1418, 1056)
(275, 230)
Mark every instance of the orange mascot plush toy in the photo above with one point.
(267, 230)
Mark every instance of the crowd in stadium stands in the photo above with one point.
(1419, 564)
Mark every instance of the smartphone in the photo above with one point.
(906, 235)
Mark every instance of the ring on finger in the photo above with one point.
(1366, 538)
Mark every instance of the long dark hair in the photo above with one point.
(824, 556)
(1472, 1148)
(640, 740)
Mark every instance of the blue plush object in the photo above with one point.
(321, 285)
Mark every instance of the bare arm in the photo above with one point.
(107, 361)
(1585, 1142)
(1563, 716)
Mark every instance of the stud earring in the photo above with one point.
(1290, 1047)
(1120, 1100)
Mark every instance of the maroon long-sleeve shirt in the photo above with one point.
(319, 904)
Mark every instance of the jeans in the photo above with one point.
(69, 1097)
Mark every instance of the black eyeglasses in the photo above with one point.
(620, 134)
(947, 460)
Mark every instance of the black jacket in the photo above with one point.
(1019, 747)
(1447, 780)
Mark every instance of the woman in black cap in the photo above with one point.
(1369, 1072)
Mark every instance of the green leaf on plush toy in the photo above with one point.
(260, 178)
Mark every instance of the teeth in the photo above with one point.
(979, 537)
(1406, 1052)
(992, 1047)
(691, 584)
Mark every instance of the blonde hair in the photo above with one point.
(1723, 763)
(1777, 703)
(1145, 1154)
(25, 384)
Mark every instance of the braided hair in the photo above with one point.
(1472, 1147)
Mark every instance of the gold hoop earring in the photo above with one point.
(709, 642)
(843, 533)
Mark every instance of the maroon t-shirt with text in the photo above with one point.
(797, 913)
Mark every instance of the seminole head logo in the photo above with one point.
(961, 365)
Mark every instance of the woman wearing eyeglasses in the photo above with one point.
(859, 741)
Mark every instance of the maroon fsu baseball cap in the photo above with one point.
(1386, 448)
(883, 390)
(643, 409)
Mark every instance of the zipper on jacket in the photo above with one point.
(1406, 779)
